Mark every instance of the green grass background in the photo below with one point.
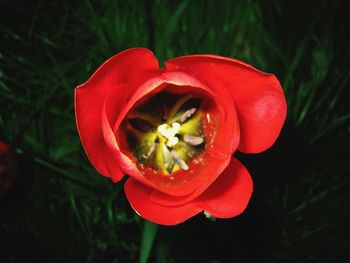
(61, 210)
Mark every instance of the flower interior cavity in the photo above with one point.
(166, 131)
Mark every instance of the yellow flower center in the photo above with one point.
(166, 132)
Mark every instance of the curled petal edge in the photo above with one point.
(227, 197)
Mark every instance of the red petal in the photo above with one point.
(139, 198)
(90, 97)
(229, 195)
(259, 99)
(113, 107)
(199, 179)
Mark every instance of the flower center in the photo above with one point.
(166, 132)
(169, 133)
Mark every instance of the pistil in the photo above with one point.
(169, 132)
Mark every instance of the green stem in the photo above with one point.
(148, 236)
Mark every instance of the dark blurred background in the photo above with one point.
(60, 210)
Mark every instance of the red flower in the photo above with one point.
(174, 130)
(7, 168)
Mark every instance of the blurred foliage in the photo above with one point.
(61, 210)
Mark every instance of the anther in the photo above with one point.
(179, 161)
(187, 114)
(167, 158)
(193, 140)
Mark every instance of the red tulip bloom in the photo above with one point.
(174, 130)
(7, 167)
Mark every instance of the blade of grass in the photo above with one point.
(65, 174)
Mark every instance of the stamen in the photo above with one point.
(151, 150)
(187, 114)
(167, 158)
(179, 161)
(193, 140)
